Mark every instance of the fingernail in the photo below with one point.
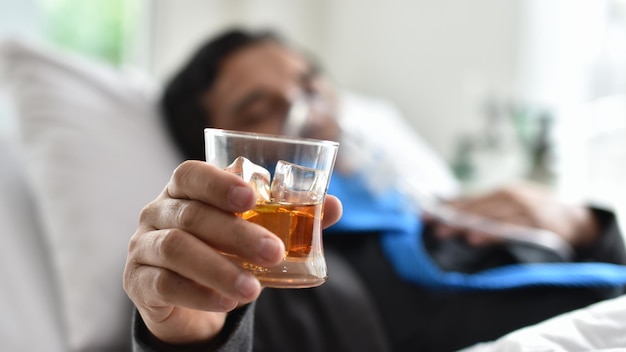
(240, 196)
(247, 285)
(270, 250)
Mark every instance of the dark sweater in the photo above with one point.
(364, 306)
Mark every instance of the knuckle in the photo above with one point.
(183, 171)
(170, 243)
(147, 212)
(187, 214)
(133, 244)
(161, 284)
(132, 273)
(508, 192)
(128, 279)
(512, 195)
(166, 285)
(133, 277)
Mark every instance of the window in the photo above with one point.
(98, 28)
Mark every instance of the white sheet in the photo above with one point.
(599, 327)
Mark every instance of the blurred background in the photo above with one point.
(502, 90)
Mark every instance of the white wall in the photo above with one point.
(437, 60)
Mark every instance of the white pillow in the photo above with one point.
(382, 140)
(95, 153)
(28, 299)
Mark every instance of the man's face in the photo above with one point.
(257, 85)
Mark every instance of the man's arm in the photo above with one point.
(532, 206)
(236, 336)
(176, 275)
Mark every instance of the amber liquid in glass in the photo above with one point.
(293, 223)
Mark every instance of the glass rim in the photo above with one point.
(271, 137)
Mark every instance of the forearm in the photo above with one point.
(236, 336)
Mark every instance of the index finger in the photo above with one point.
(200, 181)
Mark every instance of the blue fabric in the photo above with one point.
(402, 243)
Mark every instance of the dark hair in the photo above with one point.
(180, 104)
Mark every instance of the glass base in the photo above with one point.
(290, 273)
(284, 281)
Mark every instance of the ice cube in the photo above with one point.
(298, 184)
(255, 175)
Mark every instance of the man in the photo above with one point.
(189, 297)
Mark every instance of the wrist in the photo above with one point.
(586, 229)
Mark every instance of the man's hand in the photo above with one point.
(525, 205)
(175, 273)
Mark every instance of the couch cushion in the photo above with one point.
(28, 300)
(95, 153)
